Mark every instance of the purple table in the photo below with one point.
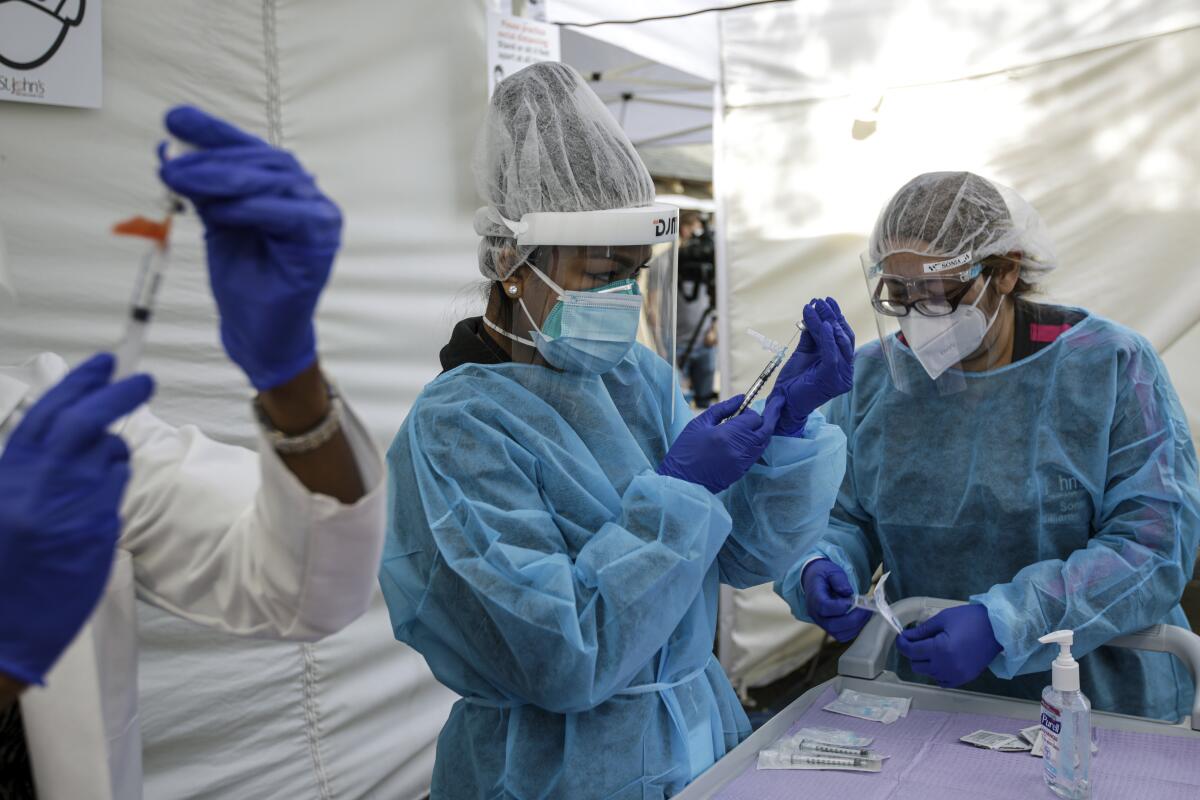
(929, 763)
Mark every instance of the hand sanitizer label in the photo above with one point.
(1051, 728)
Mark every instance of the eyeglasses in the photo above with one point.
(939, 296)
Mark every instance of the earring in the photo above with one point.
(512, 290)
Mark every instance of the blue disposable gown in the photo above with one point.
(566, 590)
(1059, 491)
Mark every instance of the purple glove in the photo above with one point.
(953, 647)
(820, 369)
(62, 477)
(829, 598)
(715, 456)
(271, 237)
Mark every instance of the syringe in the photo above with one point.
(766, 374)
(801, 759)
(835, 749)
(145, 291)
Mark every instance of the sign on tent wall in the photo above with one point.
(514, 43)
(50, 52)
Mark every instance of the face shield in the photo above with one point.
(31, 31)
(936, 319)
(595, 290)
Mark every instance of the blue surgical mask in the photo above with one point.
(589, 331)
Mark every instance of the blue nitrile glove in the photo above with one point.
(952, 647)
(715, 456)
(62, 476)
(829, 599)
(820, 369)
(271, 237)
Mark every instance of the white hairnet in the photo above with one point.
(549, 144)
(946, 214)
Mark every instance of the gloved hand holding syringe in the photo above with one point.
(780, 353)
(820, 368)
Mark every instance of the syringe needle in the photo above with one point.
(766, 374)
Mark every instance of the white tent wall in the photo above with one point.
(1090, 111)
(381, 100)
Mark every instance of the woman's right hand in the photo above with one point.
(62, 477)
(829, 598)
(715, 456)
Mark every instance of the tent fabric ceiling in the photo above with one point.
(809, 50)
(689, 162)
(656, 105)
(688, 45)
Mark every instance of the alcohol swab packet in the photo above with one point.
(877, 603)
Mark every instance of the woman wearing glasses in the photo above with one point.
(1029, 458)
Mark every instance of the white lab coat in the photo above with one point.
(215, 534)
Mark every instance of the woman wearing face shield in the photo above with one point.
(560, 524)
(1029, 458)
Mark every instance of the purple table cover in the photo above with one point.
(929, 763)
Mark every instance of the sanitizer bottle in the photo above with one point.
(1066, 725)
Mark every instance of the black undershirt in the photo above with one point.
(470, 343)
(1037, 325)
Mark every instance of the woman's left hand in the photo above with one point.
(952, 647)
(271, 237)
(821, 368)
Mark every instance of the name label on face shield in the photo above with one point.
(665, 227)
(942, 266)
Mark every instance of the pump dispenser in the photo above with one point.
(1066, 669)
(1066, 724)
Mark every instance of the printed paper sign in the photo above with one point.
(50, 52)
(515, 42)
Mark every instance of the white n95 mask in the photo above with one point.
(941, 342)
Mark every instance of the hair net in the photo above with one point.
(549, 144)
(946, 214)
